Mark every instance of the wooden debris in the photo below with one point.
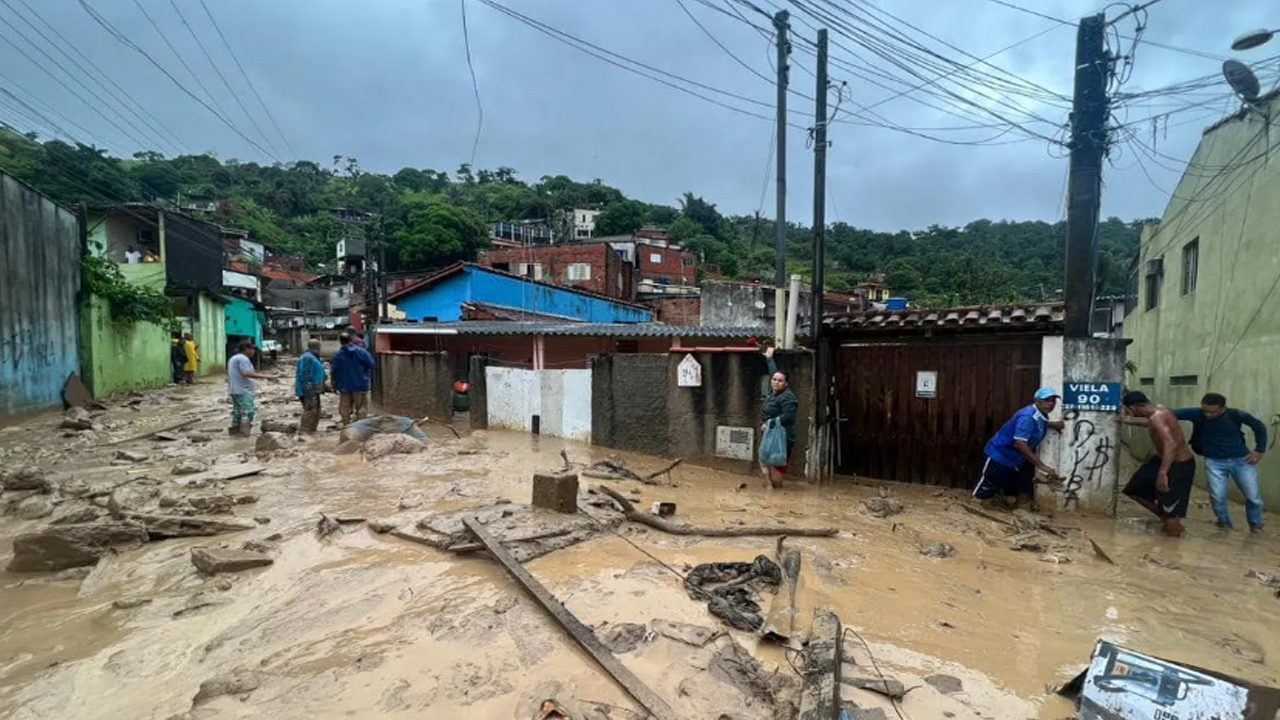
(221, 474)
(779, 626)
(580, 633)
(665, 471)
(149, 433)
(1100, 553)
(630, 512)
(986, 515)
(820, 693)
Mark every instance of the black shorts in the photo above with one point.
(1013, 482)
(1172, 504)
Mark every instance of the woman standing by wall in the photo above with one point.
(781, 405)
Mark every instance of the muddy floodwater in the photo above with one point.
(365, 625)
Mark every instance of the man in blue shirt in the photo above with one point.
(308, 384)
(1217, 436)
(1011, 455)
(350, 367)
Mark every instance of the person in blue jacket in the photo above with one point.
(1217, 435)
(1011, 455)
(308, 384)
(350, 368)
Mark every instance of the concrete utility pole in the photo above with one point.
(1084, 189)
(382, 261)
(819, 228)
(782, 27)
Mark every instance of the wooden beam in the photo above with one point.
(820, 692)
(581, 634)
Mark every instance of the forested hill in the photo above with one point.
(435, 217)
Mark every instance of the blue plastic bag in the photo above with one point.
(773, 446)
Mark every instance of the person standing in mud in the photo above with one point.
(350, 367)
(242, 388)
(177, 358)
(783, 405)
(192, 365)
(1217, 435)
(1163, 484)
(308, 384)
(1011, 465)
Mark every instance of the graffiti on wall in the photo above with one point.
(1090, 452)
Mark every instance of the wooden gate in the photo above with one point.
(887, 432)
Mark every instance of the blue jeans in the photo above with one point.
(1246, 477)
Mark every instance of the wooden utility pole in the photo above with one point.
(819, 232)
(1084, 190)
(782, 28)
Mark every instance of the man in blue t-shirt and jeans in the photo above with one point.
(1217, 436)
(1011, 455)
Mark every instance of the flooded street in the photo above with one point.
(360, 624)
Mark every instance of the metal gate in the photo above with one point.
(890, 429)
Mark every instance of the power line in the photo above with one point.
(89, 68)
(124, 40)
(248, 81)
(721, 45)
(218, 71)
(181, 60)
(1028, 11)
(475, 87)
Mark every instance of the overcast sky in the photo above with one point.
(386, 81)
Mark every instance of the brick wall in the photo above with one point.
(677, 310)
(677, 267)
(610, 276)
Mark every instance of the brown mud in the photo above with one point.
(359, 624)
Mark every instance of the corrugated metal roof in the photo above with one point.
(622, 330)
(431, 280)
(963, 318)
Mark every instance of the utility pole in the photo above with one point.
(819, 242)
(382, 260)
(1084, 189)
(782, 28)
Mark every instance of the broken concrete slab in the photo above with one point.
(74, 514)
(273, 441)
(132, 456)
(938, 550)
(190, 466)
(820, 693)
(883, 507)
(525, 531)
(556, 491)
(888, 687)
(35, 508)
(212, 561)
(59, 547)
(945, 684)
(162, 527)
(26, 478)
(75, 393)
(221, 473)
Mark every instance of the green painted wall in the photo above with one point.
(116, 357)
(210, 332)
(243, 319)
(1223, 335)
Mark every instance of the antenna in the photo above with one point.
(1242, 80)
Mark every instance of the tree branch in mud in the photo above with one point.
(630, 512)
(614, 469)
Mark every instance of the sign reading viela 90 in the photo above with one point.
(1092, 396)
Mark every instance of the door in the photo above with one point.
(921, 410)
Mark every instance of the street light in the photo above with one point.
(1253, 39)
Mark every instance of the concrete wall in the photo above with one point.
(1223, 336)
(210, 332)
(39, 280)
(1087, 451)
(444, 300)
(637, 404)
(118, 356)
(416, 385)
(561, 399)
(729, 304)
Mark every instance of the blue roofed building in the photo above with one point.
(445, 295)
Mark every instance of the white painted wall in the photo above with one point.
(562, 399)
(1086, 453)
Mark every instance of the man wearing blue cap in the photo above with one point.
(1011, 455)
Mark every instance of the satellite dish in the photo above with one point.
(1241, 79)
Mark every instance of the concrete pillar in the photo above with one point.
(1087, 453)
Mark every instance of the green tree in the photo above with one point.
(436, 233)
(621, 218)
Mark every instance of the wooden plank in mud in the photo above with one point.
(581, 634)
(820, 693)
(780, 624)
(221, 474)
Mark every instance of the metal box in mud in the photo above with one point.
(1123, 684)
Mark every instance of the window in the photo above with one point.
(1154, 274)
(655, 258)
(582, 233)
(1184, 380)
(687, 262)
(1190, 266)
(1147, 381)
(529, 270)
(578, 272)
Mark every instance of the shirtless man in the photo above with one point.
(1163, 484)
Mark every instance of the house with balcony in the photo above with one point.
(166, 251)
